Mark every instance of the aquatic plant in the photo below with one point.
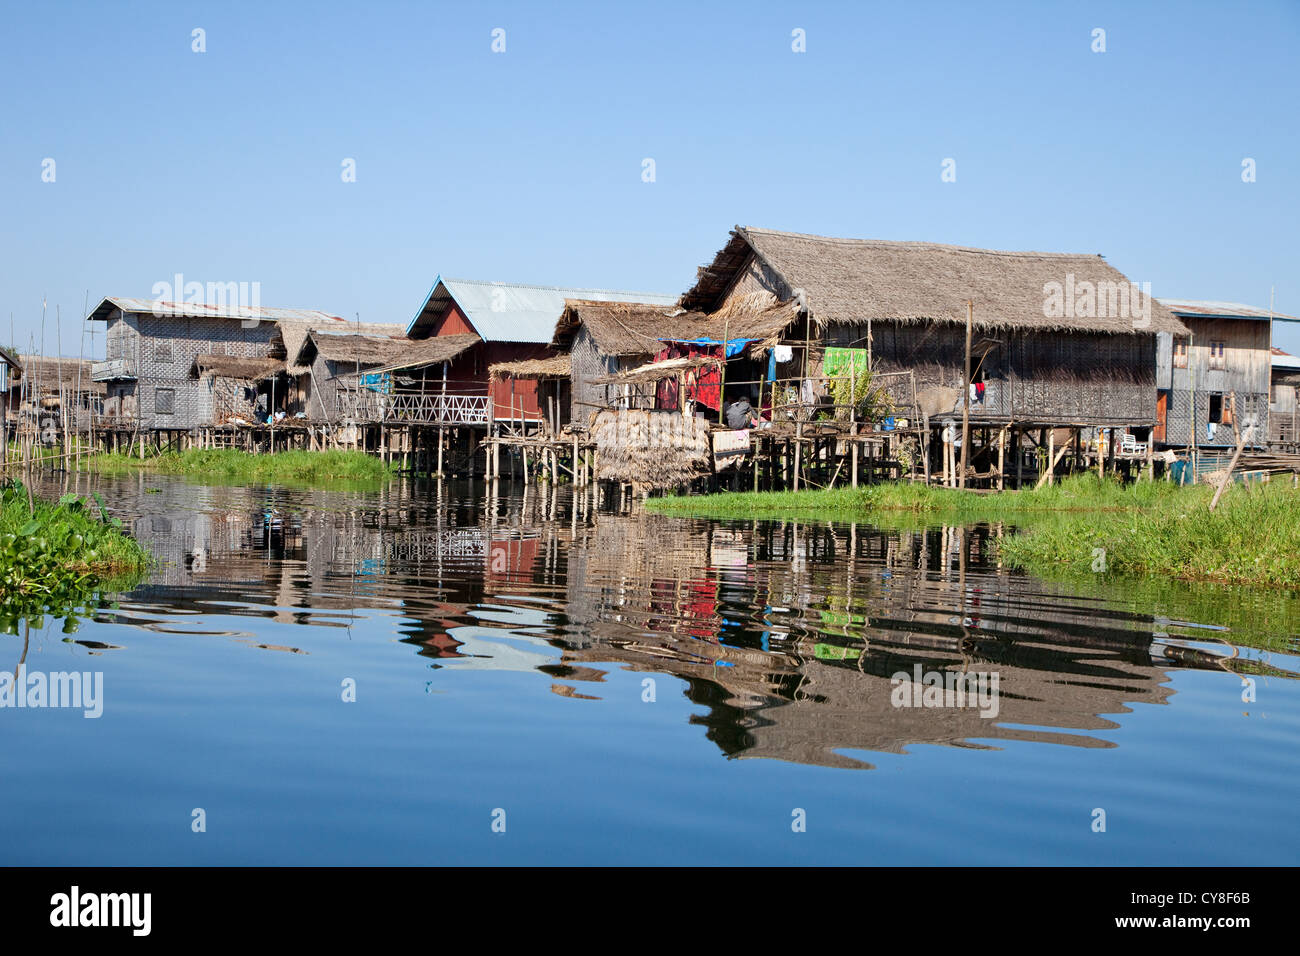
(59, 557)
(1082, 524)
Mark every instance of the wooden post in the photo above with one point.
(1002, 457)
(1016, 441)
(1051, 457)
(1227, 476)
(854, 439)
(965, 399)
(798, 452)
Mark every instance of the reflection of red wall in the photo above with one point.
(511, 557)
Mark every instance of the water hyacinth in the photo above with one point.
(60, 558)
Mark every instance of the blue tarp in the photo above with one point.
(734, 346)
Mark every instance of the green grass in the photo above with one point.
(1078, 493)
(61, 556)
(225, 464)
(1082, 525)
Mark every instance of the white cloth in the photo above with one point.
(783, 353)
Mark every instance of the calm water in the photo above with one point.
(630, 688)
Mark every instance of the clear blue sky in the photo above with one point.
(526, 165)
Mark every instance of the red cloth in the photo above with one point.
(703, 385)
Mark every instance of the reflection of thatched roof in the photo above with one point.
(364, 350)
(50, 374)
(233, 366)
(657, 371)
(555, 366)
(852, 280)
(623, 329)
(434, 351)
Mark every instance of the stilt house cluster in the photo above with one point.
(792, 361)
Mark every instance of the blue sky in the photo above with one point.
(526, 165)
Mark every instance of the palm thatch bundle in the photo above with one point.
(553, 366)
(651, 449)
(847, 281)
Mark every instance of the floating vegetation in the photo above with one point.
(61, 558)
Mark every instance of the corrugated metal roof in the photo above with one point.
(1282, 359)
(1226, 310)
(195, 310)
(510, 312)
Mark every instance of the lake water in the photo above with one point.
(611, 687)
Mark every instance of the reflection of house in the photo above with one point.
(1221, 361)
(1284, 384)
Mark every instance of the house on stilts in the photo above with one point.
(1061, 358)
(1221, 367)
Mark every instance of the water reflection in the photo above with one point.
(786, 635)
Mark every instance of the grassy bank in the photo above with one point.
(59, 556)
(1079, 493)
(232, 465)
(1081, 526)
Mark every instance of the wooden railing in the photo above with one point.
(406, 409)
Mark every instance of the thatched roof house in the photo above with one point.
(511, 323)
(605, 339)
(1064, 339)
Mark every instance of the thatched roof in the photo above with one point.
(657, 371)
(852, 280)
(293, 334)
(623, 329)
(49, 374)
(234, 366)
(434, 351)
(364, 350)
(553, 366)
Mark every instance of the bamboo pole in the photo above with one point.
(965, 399)
(1002, 457)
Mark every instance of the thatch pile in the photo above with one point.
(845, 281)
(651, 449)
(553, 366)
